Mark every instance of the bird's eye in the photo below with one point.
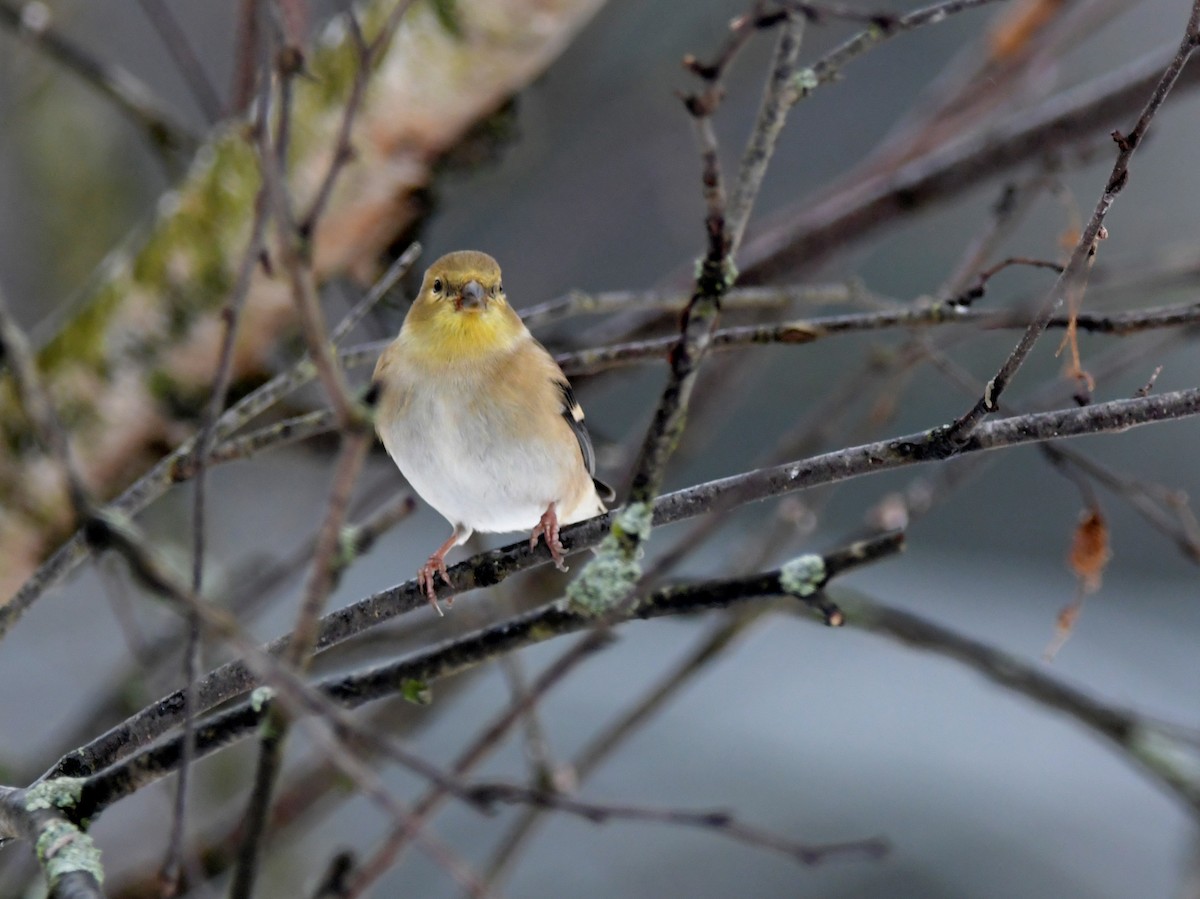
(437, 285)
(499, 288)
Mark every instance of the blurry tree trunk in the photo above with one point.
(131, 368)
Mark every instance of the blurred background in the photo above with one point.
(821, 734)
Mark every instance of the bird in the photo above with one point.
(480, 419)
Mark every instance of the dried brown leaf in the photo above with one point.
(1090, 551)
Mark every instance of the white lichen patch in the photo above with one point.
(62, 849)
(260, 697)
(611, 576)
(635, 519)
(1164, 753)
(61, 792)
(805, 81)
(803, 576)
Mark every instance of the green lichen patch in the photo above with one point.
(83, 341)
(416, 691)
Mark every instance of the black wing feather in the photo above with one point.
(572, 414)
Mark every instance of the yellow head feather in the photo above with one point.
(461, 311)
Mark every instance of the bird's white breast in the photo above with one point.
(474, 465)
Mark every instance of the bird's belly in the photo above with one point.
(473, 469)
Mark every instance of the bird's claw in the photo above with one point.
(547, 529)
(426, 580)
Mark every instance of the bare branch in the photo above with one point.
(1075, 273)
(719, 822)
(578, 302)
(799, 238)
(176, 41)
(920, 315)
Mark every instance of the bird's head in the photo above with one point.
(461, 308)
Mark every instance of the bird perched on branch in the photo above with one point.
(479, 417)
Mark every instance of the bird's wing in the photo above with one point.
(572, 413)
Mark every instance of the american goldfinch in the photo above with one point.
(479, 417)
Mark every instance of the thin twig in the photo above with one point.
(355, 442)
(16, 350)
(883, 26)
(380, 289)
(579, 302)
(919, 315)
(343, 151)
(799, 238)
(1166, 510)
(1015, 202)
(772, 115)
(605, 743)
(163, 131)
(1085, 250)
(718, 822)
(176, 41)
(231, 315)
(293, 256)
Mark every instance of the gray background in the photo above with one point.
(822, 734)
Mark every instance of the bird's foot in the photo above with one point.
(426, 579)
(547, 529)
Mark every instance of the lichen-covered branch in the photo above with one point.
(804, 579)
(43, 816)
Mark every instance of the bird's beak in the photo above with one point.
(472, 296)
